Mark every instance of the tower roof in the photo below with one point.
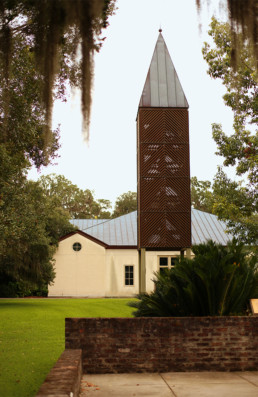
(162, 86)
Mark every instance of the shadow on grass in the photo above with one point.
(20, 302)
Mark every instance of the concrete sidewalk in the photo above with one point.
(177, 384)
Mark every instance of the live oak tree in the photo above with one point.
(63, 35)
(80, 204)
(236, 202)
(242, 18)
(201, 195)
(58, 28)
(33, 217)
(30, 227)
(22, 121)
(231, 201)
(240, 148)
(125, 204)
(31, 223)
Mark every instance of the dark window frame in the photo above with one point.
(169, 264)
(77, 246)
(129, 275)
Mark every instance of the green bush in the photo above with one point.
(17, 288)
(218, 281)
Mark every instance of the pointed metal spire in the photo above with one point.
(162, 87)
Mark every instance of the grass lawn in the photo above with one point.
(32, 337)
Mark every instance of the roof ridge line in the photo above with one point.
(100, 223)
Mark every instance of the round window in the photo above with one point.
(77, 246)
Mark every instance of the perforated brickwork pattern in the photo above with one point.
(164, 125)
(164, 194)
(167, 229)
(164, 159)
(164, 204)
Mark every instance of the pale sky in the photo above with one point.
(107, 163)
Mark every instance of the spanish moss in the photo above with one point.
(242, 15)
(46, 24)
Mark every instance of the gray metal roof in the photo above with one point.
(162, 87)
(122, 231)
(85, 223)
(207, 226)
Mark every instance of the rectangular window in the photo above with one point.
(129, 276)
(166, 262)
(173, 261)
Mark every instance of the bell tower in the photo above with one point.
(163, 166)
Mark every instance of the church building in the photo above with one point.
(119, 257)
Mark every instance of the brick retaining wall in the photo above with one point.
(111, 345)
(65, 377)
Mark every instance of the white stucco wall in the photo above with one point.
(116, 259)
(95, 271)
(152, 265)
(79, 273)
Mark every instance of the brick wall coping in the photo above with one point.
(64, 379)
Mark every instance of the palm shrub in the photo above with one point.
(218, 281)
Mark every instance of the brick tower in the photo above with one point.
(163, 170)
